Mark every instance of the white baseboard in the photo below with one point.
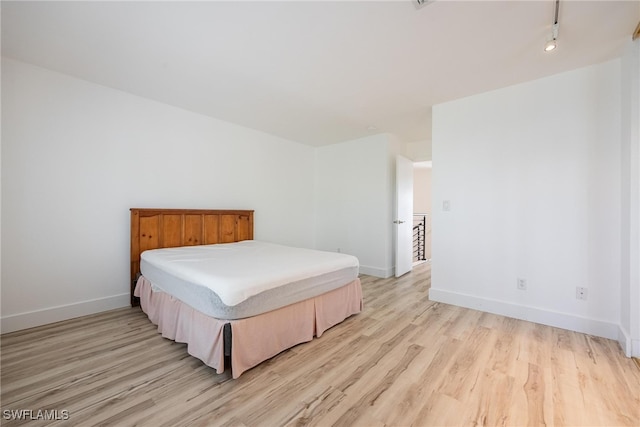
(533, 314)
(17, 322)
(630, 346)
(376, 272)
(624, 339)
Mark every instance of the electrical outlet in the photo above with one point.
(522, 284)
(581, 293)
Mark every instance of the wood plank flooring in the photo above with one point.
(403, 361)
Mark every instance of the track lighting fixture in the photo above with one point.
(552, 43)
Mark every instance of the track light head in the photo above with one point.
(550, 45)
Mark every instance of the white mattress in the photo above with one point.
(236, 280)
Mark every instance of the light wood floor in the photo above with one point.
(403, 361)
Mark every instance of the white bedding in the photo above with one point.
(235, 272)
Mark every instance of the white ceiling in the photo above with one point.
(315, 72)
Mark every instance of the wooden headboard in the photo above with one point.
(168, 228)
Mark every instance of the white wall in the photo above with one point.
(76, 156)
(354, 201)
(533, 180)
(630, 228)
(422, 189)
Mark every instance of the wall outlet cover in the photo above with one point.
(522, 284)
(581, 293)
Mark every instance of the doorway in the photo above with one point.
(422, 211)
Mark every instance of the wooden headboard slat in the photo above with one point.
(168, 228)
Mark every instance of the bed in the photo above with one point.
(234, 327)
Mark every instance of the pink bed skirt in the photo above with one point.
(254, 339)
